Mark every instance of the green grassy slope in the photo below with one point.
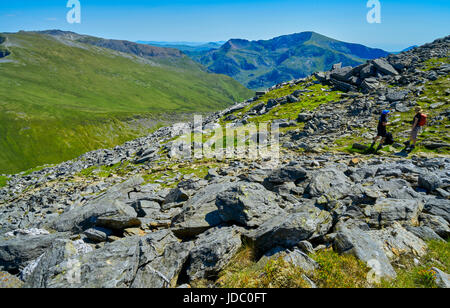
(60, 98)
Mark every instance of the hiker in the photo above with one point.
(419, 121)
(382, 130)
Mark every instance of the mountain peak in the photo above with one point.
(261, 64)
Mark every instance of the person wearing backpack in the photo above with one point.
(419, 121)
(382, 131)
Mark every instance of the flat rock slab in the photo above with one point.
(387, 211)
(248, 204)
(287, 230)
(199, 213)
(16, 252)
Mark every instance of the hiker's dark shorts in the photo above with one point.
(382, 132)
(415, 132)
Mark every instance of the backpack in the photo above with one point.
(389, 139)
(423, 120)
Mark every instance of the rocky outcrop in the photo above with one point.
(288, 230)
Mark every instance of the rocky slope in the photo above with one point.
(259, 64)
(135, 216)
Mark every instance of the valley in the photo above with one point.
(64, 94)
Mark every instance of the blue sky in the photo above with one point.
(404, 23)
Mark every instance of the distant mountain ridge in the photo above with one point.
(189, 48)
(263, 63)
(162, 55)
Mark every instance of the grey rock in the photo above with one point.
(98, 234)
(295, 257)
(288, 230)
(248, 204)
(384, 67)
(153, 261)
(290, 173)
(424, 233)
(429, 181)
(110, 210)
(8, 281)
(306, 247)
(442, 279)
(359, 243)
(161, 261)
(397, 241)
(176, 195)
(342, 74)
(212, 251)
(330, 182)
(200, 212)
(145, 208)
(59, 252)
(437, 224)
(16, 252)
(395, 96)
(304, 117)
(387, 211)
(438, 207)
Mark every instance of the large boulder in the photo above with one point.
(330, 182)
(288, 229)
(397, 242)
(212, 251)
(152, 261)
(16, 252)
(442, 278)
(387, 211)
(358, 242)
(384, 67)
(248, 204)
(161, 261)
(429, 181)
(200, 212)
(113, 266)
(438, 207)
(395, 96)
(424, 233)
(41, 271)
(294, 256)
(110, 210)
(290, 173)
(437, 224)
(342, 73)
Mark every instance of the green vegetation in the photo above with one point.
(166, 175)
(435, 62)
(119, 169)
(320, 94)
(411, 276)
(36, 169)
(339, 271)
(3, 181)
(334, 271)
(60, 99)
